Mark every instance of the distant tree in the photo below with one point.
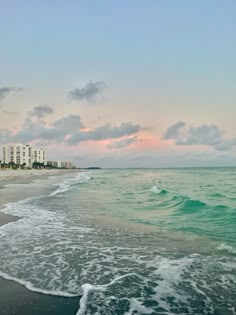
(11, 164)
(35, 165)
(38, 165)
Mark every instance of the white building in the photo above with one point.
(22, 154)
(40, 156)
(52, 163)
(60, 164)
(68, 164)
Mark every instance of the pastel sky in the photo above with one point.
(128, 83)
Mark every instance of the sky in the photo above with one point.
(125, 83)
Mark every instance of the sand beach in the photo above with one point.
(17, 185)
(15, 299)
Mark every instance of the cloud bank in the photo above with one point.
(69, 130)
(209, 135)
(122, 143)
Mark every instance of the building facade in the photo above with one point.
(68, 165)
(40, 156)
(53, 164)
(21, 154)
(60, 164)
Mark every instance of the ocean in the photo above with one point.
(129, 241)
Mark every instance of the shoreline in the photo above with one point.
(6, 218)
(13, 182)
(15, 299)
(8, 177)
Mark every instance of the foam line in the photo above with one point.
(30, 287)
(228, 248)
(88, 287)
(83, 301)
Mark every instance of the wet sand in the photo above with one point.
(6, 218)
(22, 184)
(14, 298)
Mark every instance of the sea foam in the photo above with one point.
(59, 247)
(228, 248)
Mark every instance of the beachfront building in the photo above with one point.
(68, 165)
(60, 164)
(40, 156)
(23, 154)
(53, 164)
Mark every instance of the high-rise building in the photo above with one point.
(22, 154)
(68, 165)
(60, 164)
(40, 156)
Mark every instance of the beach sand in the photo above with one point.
(14, 298)
(22, 184)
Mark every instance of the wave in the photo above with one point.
(68, 184)
(191, 205)
(87, 288)
(217, 195)
(47, 267)
(178, 212)
(65, 185)
(177, 202)
(175, 286)
(52, 251)
(165, 276)
(156, 190)
(36, 224)
(147, 277)
(227, 248)
(168, 274)
(28, 285)
(183, 204)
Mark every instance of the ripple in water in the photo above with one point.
(57, 248)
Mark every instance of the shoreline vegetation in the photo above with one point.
(35, 166)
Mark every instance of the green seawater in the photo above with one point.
(133, 241)
(196, 201)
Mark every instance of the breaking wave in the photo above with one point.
(58, 248)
